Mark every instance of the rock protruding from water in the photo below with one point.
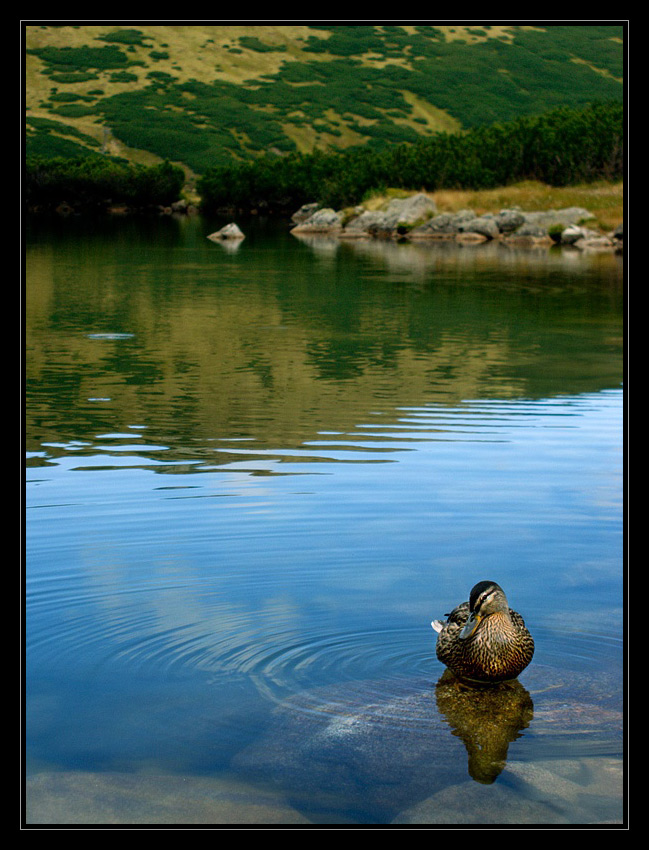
(229, 231)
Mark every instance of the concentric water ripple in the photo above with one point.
(126, 630)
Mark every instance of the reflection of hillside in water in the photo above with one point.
(281, 340)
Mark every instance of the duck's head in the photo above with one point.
(486, 598)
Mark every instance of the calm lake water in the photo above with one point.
(255, 473)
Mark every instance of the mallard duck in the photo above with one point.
(483, 640)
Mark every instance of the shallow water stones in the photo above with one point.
(380, 749)
(130, 798)
(357, 751)
(370, 749)
(562, 791)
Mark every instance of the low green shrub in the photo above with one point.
(96, 181)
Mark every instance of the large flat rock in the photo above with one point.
(120, 798)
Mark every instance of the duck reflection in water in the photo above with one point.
(486, 718)
(485, 645)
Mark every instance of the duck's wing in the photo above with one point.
(458, 616)
(517, 620)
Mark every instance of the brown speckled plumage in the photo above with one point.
(483, 639)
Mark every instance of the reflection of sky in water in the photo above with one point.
(264, 560)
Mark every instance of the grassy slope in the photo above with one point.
(214, 93)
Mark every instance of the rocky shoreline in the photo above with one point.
(417, 218)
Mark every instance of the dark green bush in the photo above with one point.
(95, 181)
(123, 77)
(251, 42)
(127, 36)
(82, 57)
(73, 77)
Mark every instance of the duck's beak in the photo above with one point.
(470, 626)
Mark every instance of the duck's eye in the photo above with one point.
(485, 598)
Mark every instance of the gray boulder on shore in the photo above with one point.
(443, 225)
(484, 225)
(322, 221)
(305, 212)
(400, 215)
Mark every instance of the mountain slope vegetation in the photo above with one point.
(211, 96)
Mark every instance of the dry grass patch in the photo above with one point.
(604, 200)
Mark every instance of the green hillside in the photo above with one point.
(204, 96)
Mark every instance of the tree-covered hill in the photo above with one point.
(208, 96)
(559, 148)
